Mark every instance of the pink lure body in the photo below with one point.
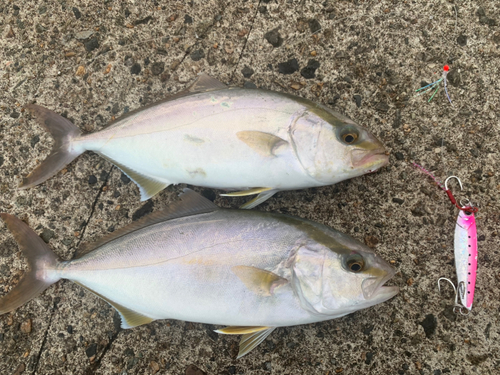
(466, 257)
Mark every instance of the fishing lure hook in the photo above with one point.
(446, 182)
(457, 307)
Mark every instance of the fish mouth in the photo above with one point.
(370, 160)
(374, 289)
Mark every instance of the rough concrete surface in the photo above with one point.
(94, 60)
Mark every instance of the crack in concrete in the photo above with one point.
(92, 210)
(246, 40)
(39, 354)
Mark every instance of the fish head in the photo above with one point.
(339, 276)
(332, 148)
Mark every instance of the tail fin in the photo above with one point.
(63, 131)
(42, 262)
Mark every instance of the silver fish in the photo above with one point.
(253, 141)
(252, 271)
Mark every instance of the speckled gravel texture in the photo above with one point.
(95, 60)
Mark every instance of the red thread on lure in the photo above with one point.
(469, 209)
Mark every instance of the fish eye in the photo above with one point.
(350, 137)
(355, 263)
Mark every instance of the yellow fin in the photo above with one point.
(240, 330)
(244, 193)
(264, 143)
(130, 318)
(259, 281)
(250, 341)
(148, 186)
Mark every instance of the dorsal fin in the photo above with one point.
(190, 203)
(206, 83)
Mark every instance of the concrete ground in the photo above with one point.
(95, 60)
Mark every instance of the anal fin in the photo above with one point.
(130, 318)
(148, 186)
(252, 336)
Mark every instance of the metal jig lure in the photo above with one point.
(465, 248)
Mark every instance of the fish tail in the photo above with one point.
(63, 153)
(42, 262)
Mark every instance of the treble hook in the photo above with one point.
(446, 182)
(456, 306)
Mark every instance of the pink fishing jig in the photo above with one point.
(465, 245)
(465, 254)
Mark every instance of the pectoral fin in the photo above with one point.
(252, 336)
(265, 144)
(130, 318)
(259, 281)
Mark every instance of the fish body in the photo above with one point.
(253, 271)
(465, 244)
(220, 137)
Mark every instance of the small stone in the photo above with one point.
(398, 200)
(382, 107)
(26, 326)
(124, 178)
(157, 68)
(188, 19)
(80, 71)
(247, 71)
(10, 33)
(399, 155)
(371, 241)
(274, 38)
(197, 55)
(193, 370)
(92, 179)
(91, 351)
(91, 44)
(69, 329)
(115, 109)
(249, 85)
(429, 324)
(369, 357)
(14, 114)
(144, 210)
(462, 40)
(47, 234)
(155, 367)
(314, 25)
(310, 70)
(357, 99)
(82, 35)
(135, 69)
(77, 13)
(288, 67)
